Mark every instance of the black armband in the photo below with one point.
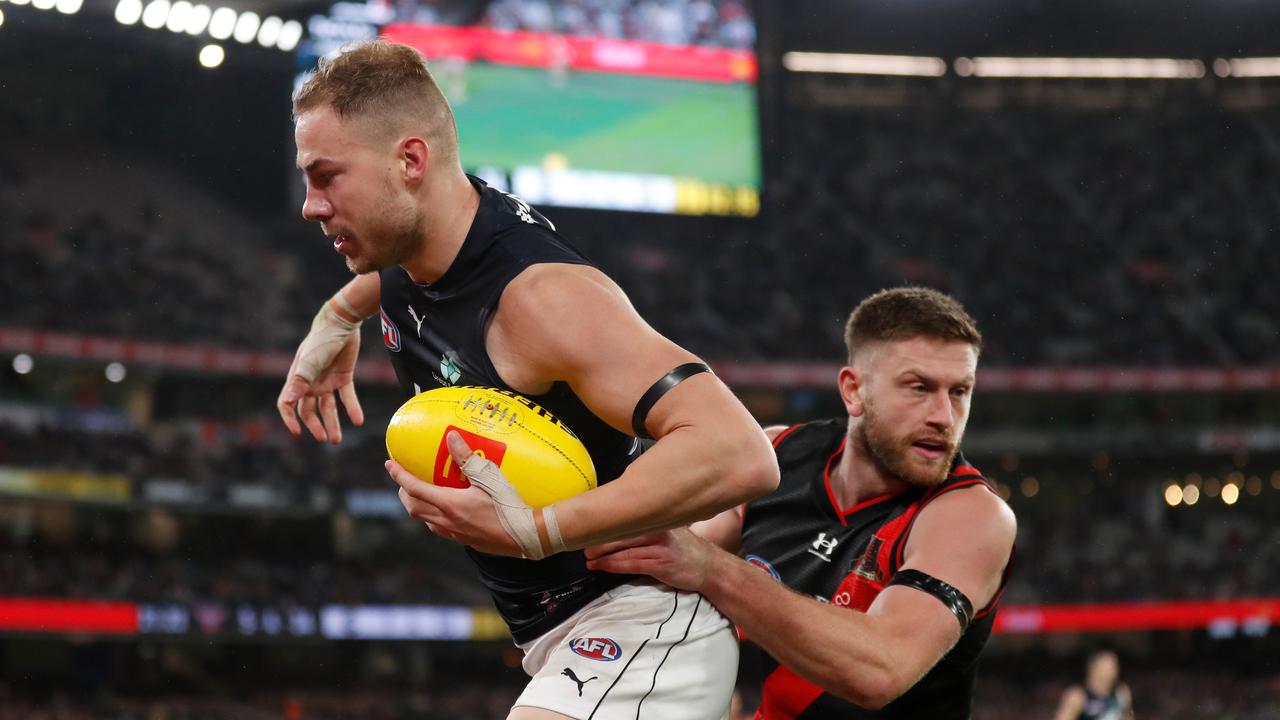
(955, 600)
(655, 392)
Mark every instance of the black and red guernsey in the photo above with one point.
(846, 556)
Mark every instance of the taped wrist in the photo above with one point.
(514, 514)
(329, 332)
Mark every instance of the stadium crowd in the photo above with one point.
(1158, 693)
(713, 23)
(1074, 238)
(1119, 543)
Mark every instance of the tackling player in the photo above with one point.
(883, 552)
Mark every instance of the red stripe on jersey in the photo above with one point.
(900, 547)
(831, 495)
(786, 695)
(785, 433)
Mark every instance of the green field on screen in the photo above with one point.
(604, 121)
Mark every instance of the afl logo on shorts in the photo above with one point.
(764, 565)
(390, 333)
(596, 648)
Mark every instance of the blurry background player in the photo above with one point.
(877, 513)
(1102, 696)
(474, 287)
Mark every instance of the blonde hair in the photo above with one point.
(386, 88)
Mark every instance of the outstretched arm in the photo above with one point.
(963, 538)
(325, 363)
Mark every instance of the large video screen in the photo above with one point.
(645, 105)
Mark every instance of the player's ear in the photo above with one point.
(852, 385)
(414, 157)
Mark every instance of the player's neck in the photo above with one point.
(857, 477)
(1100, 689)
(452, 203)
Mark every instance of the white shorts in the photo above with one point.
(641, 651)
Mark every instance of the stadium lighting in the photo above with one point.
(1230, 493)
(68, 7)
(1050, 67)
(854, 64)
(1211, 487)
(1030, 486)
(178, 14)
(115, 372)
(43, 4)
(247, 27)
(269, 32)
(156, 12)
(211, 56)
(22, 362)
(1173, 494)
(1190, 494)
(290, 34)
(1253, 486)
(1247, 67)
(128, 12)
(222, 23)
(198, 20)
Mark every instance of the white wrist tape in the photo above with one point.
(516, 516)
(329, 332)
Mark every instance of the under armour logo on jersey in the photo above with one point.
(823, 546)
(417, 320)
(570, 674)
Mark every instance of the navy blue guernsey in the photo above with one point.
(1102, 707)
(435, 335)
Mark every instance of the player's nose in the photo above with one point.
(316, 208)
(941, 413)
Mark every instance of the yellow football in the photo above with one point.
(538, 453)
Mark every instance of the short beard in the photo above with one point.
(891, 453)
(402, 239)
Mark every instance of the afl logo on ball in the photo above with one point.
(596, 648)
(390, 333)
(764, 565)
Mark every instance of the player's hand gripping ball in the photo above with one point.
(536, 452)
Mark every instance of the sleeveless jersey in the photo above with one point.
(435, 335)
(846, 556)
(1101, 707)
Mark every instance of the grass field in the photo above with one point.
(603, 121)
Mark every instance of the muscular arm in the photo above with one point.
(571, 323)
(362, 294)
(963, 538)
(725, 530)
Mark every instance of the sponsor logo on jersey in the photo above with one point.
(822, 547)
(764, 565)
(596, 648)
(449, 371)
(447, 473)
(390, 333)
(868, 567)
(417, 321)
(569, 673)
